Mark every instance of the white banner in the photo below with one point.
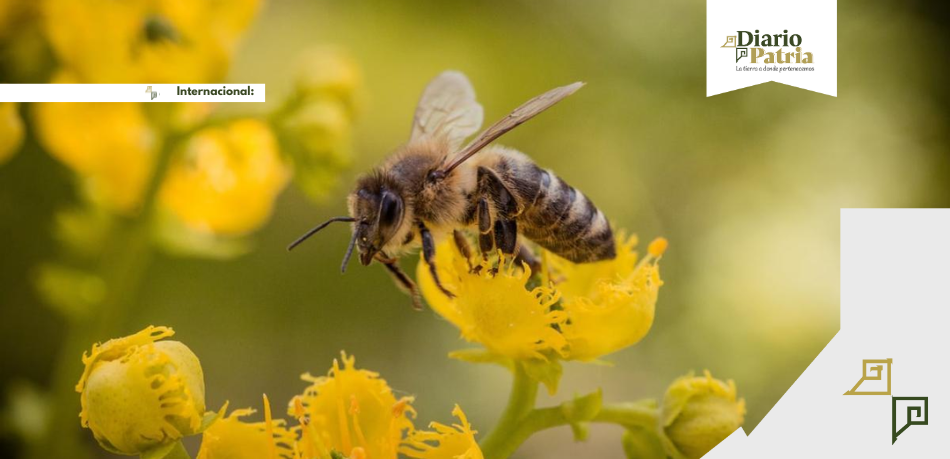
(870, 392)
(749, 42)
(230, 92)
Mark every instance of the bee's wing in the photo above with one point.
(525, 112)
(447, 108)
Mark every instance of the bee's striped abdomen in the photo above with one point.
(552, 213)
(564, 221)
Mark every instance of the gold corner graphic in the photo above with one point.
(877, 376)
(730, 42)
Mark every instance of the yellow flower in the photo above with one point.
(494, 310)
(11, 130)
(589, 311)
(110, 145)
(353, 412)
(227, 179)
(146, 41)
(139, 393)
(609, 304)
(445, 442)
(698, 413)
(231, 438)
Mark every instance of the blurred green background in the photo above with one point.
(747, 186)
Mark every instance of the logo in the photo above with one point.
(914, 408)
(917, 414)
(768, 49)
(154, 94)
(876, 366)
(750, 42)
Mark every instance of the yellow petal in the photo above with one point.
(610, 305)
(353, 411)
(444, 442)
(232, 438)
(494, 310)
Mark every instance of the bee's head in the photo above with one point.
(378, 209)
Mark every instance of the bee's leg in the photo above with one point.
(506, 207)
(506, 235)
(527, 256)
(463, 247)
(428, 252)
(486, 239)
(403, 281)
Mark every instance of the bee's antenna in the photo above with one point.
(349, 252)
(318, 228)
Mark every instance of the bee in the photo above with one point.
(437, 184)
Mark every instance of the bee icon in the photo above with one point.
(436, 185)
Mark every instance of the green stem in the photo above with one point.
(640, 414)
(122, 265)
(524, 393)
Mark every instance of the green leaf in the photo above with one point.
(580, 411)
(642, 444)
(84, 230)
(580, 430)
(211, 417)
(547, 372)
(72, 292)
(160, 452)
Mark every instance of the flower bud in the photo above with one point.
(321, 127)
(139, 393)
(700, 412)
(328, 71)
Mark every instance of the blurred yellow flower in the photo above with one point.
(110, 145)
(353, 412)
(231, 438)
(609, 304)
(227, 178)
(11, 130)
(321, 128)
(698, 413)
(444, 442)
(139, 393)
(328, 71)
(495, 310)
(146, 41)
